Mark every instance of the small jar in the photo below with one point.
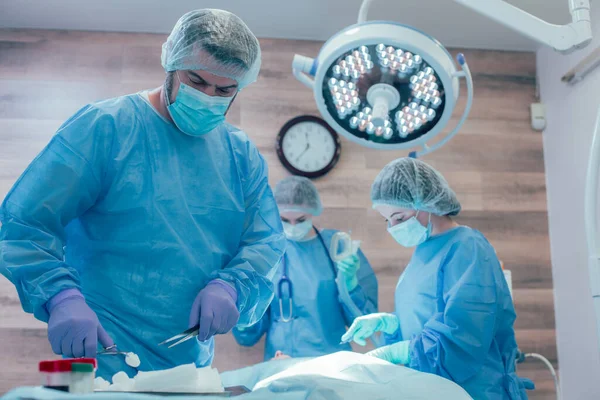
(82, 378)
(56, 374)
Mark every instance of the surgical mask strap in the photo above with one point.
(231, 102)
(428, 221)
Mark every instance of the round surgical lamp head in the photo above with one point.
(385, 85)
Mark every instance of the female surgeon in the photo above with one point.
(453, 311)
(307, 316)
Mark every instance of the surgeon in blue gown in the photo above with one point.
(147, 213)
(307, 316)
(453, 312)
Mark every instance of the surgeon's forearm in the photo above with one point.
(261, 246)
(364, 297)
(442, 350)
(59, 185)
(250, 271)
(30, 261)
(423, 360)
(393, 338)
(250, 335)
(362, 301)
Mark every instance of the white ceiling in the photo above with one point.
(450, 23)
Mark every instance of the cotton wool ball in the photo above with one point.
(133, 360)
(101, 384)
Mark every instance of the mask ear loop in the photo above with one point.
(428, 220)
(231, 102)
(429, 225)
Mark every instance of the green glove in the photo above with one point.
(397, 353)
(349, 268)
(365, 326)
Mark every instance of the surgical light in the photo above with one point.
(394, 66)
(386, 85)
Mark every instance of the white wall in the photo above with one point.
(287, 19)
(571, 114)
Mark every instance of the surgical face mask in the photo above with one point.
(297, 232)
(196, 113)
(411, 233)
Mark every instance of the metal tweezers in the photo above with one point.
(182, 337)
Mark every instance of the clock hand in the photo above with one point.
(301, 154)
(306, 149)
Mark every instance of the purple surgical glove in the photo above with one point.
(214, 310)
(73, 328)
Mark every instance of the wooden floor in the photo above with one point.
(495, 165)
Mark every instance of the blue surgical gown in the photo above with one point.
(139, 216)
(319, 317)
(454, 305)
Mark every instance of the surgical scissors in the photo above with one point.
(112, 351)
(182, 337)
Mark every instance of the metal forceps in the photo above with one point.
(182, 337)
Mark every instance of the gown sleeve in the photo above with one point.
(250, 335)
(455, 342)
(262, 244)
(59, 185)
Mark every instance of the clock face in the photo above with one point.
(308, 146)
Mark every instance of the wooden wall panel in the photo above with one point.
(495, 165)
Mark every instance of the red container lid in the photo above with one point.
(64, 365)
(55, 366)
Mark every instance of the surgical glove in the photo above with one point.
(397, 353)
(214, 309)
(365, 326)
(349, 268)
(73, 328)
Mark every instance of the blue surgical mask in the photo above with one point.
(297, 232)
(196, 113)
(411, 233)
